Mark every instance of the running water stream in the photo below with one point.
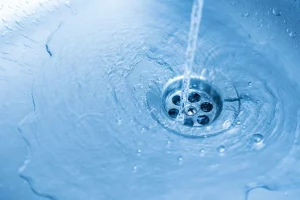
(190, 52)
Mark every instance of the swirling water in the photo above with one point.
(91, 134)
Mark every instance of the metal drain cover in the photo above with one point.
(203, 106)
(212, 107)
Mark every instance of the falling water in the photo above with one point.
(191, 48)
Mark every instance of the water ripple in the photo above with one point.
(93, 134)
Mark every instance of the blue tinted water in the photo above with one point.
(190, 52)
(75, 78)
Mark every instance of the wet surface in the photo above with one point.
(75, 82)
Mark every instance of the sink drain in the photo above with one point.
(203, 106)
(212, 106)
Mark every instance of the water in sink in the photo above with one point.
(77, 78)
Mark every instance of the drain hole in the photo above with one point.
(203, 120)
(176, 100)
(173, 112)
(188, 122)
(206, 107)
(190, 110)
(200, 107)
(194, 97)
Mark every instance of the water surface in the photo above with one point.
(85, 71)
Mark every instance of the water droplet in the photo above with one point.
(134, 168)
(276, 12)
(258, 138)
(221, 149)
(202, 151)
(139, 151)
(249, 83)
(292, 34)
(245, 15)
(168, 142)
(179, 159)
(238, 122)
(119, 121)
